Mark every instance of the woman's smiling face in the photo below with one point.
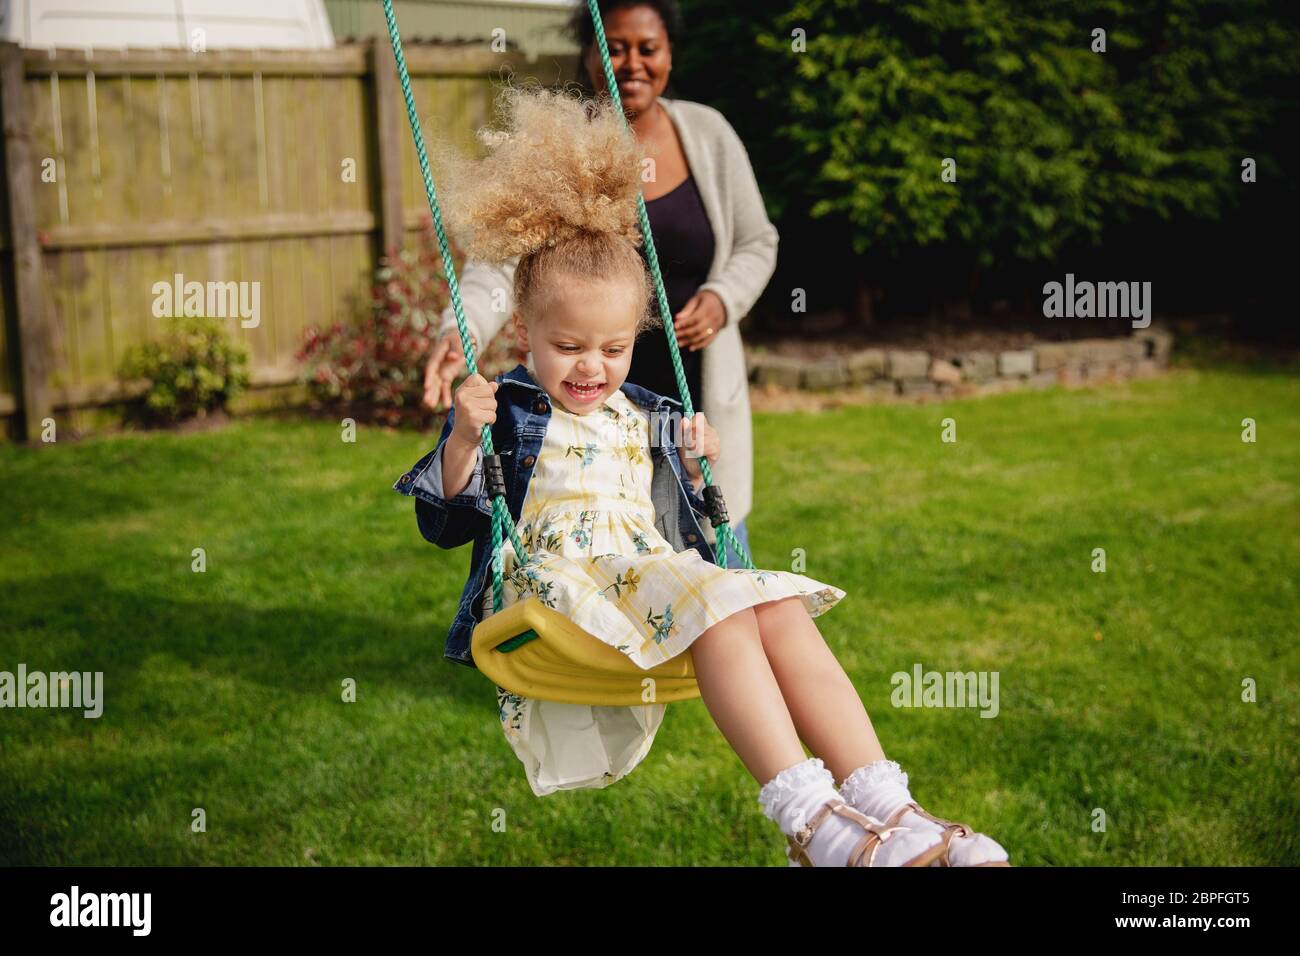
(640, 54)
(585, 338)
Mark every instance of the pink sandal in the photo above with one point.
(877, 834)
(950, 829)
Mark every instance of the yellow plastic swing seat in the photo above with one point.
(567, 664)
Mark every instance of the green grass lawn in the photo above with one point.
(1120, 691)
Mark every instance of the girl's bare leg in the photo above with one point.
(822, 701)
(742, 695)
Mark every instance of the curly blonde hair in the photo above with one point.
(558, 188)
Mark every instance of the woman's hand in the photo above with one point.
(446, 362)
(699, 439)
(700, 320)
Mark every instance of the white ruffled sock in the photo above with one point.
(794, 795)
(878, 789)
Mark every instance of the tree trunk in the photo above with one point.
(862, 308)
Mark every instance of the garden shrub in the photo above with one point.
(194, 370)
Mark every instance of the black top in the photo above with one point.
(684, 244)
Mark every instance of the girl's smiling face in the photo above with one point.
(582, 347)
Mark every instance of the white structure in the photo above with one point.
(195, 25)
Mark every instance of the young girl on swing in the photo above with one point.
(559, 189)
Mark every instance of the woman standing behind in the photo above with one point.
(715, 244)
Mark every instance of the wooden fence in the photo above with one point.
(122, 170)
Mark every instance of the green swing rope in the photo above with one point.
(723, 530)
(502, 523)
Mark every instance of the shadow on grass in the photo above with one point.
(288, 648)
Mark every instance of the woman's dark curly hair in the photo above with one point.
(582, 32)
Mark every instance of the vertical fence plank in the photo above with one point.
(351, 130)
(31, 341)
(388, 107)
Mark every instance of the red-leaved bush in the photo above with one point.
(373, 367)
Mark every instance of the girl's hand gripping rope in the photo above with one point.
(699, 440)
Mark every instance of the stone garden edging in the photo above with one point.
(908, 373)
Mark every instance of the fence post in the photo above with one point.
(388, 146)
(33, 340)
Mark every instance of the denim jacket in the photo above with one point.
(523, 411)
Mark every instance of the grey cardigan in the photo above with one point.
(744, 258)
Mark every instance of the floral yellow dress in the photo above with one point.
(588, 522)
